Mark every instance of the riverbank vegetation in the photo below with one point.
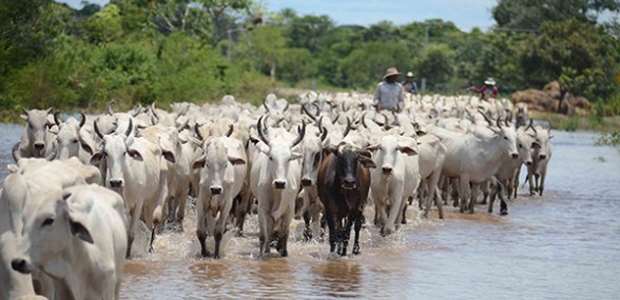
(198, 50)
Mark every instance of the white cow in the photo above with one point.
(223, 171)
(537, 172)
(474, 158)
(395, 179)
(274, 180)
(311, 208)
(134, 170)
(79, 239)
(37, 140)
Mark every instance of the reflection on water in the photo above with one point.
(564, 245)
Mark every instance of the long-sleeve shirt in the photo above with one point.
(389, 95)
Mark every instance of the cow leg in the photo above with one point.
(536, 182)
(542, 182)
(282, 243)
(516, 183)
(464, 192)
(403, 218)
(503, 209)
(358, 226)
(315, 217)
(474, 197)
(346, 235)
(133, 225)
(331, 225)
(201, 226)
(307, 230)
(492, 199)
(181, 200)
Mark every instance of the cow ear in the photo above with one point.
(96, 158)
(87, 148)
(23, 116)
(407, 150)
(236, 160)
(199, 163)
(367, 162)
(78, 230)
(135, 154)
(169, 156)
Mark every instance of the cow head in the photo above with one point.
(506, 135)
(389, 148)
(48, 232)
(280, 152)
(116, 151)
(218, 163)
(37, 129)
(347, 160)
(68, 137)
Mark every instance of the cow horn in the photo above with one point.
(110, 111)
(286, 107)
(82, 119)
(348, 129)
(507, 122)
(197, 131)
(182, 127)
(498, 122)
(305, 110)
(265, 104)
(486, 118)
(259, 128)
(129, 128)
(334, 121)
(323, 132)
(57, 118)
(364, 120)
(231, 128)
(301, 133)
(97, 129)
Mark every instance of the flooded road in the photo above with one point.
(565, 245)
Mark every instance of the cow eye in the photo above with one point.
(520, 146)
(270, 157)
(506, 138)
(47, 222)
(75, 141)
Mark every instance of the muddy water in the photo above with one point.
(563, 245)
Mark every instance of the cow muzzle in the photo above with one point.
(216, 190)
(528, 163)
(349, 184)
(306, 182)
(279, 184)
(542, 156)
(39, 146)
(116, 183)
(21, 265)
(387, 171)
(514, 155)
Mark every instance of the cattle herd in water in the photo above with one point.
(80, 185)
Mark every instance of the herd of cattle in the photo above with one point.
(70, 207)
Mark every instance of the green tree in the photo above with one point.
(307, 31)
(436, 65)
(105, 25)
(531, 14)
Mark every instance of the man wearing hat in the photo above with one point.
(488, 90)
(409, 85)
(390, 94)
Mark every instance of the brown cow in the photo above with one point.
(343, 184)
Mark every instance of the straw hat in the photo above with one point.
(391, 72)
(489, 81)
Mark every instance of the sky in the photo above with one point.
(466, 14)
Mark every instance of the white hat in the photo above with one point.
(489, 81)
(410, 74)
